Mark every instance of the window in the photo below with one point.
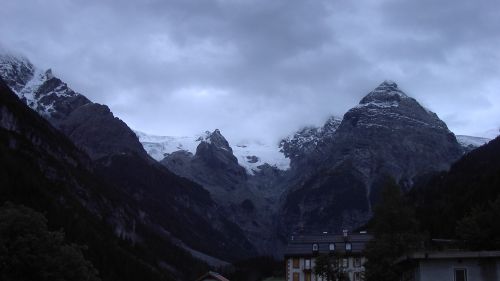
(295, 276)
(348, 247)
(357, 276)
(315, 247)
(345, 262)
(307, 264)
(307, 276)
(296, 263)
(331, 247)
(461, 274)
(357, 262)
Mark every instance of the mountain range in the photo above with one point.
(167, 202)
(155, 205)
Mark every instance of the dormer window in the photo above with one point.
(331, 247)
(315, 248)
(348, 247)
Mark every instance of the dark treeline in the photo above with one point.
(42, 170)
(461, 205)
(254, 269)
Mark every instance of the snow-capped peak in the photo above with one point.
(471, 141)
(387, 94)
(306, 139)
(16, 71)
(250, 154)
(217, 139)
(48, 74)
(35, 86)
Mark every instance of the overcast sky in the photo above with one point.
(263, 68)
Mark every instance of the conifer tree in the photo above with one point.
(395, 233)
(329, 269)
(29, 251)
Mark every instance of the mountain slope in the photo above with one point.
(387, 134)
(469, 143)
(306, 141)
(472, 182)
(250, 154)
(42, 169)
(90, 126)
(170, 207)
(248, 200)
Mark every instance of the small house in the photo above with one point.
(452, 265)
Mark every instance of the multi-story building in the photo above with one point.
(347, 249)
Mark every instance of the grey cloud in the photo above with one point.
(263, 68)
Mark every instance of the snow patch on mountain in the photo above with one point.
(250, 154)
(32, 84)
(467, 141)
(380, 104)
(308, 138)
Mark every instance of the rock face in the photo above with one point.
(214, 152)
(387, 134)
(44, 170)
(335, 174)
(251, 154)
(16, 71)
(247, 200)
(213, 165)
(304, 142)
(91, 126)
(172, 209)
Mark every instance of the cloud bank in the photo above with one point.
(262, 69)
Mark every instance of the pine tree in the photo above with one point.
(328, 267)
(395, 232)
(480, 230)
(29, 251)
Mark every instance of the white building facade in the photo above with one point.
(345, 249)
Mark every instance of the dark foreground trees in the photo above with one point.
(328, 267)
(29, 251)
(395, 231)
(480, 230)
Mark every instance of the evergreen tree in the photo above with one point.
(29, 251)
(480, 229)
(395, 233)
(329, 268)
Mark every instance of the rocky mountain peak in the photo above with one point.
(91, 126)
(331, 125)
(389, 134)
(216, 143)
(388, 106)
(308, 138)
(386, 94)
(215, 152)
(218, 140)
(48, 74)
(16, 71)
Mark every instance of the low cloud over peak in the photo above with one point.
(261, 68)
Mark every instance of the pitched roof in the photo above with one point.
(213, 275)
(301, 245)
